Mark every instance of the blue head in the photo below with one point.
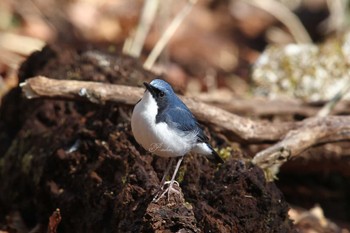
(162, 92)
(162, 85)
(164, 95)
(170, 108)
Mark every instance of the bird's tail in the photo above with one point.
(214, 157)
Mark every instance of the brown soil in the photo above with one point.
(82, 158)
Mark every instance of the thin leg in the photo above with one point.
(163, 183)
(166, 172)
(175, 172)
(170, 188)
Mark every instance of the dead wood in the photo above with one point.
(259, 106)
(295, 136)
(231, 125)
(313, 131)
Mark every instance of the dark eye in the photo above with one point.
(161, 94)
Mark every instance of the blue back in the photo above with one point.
(174, 112)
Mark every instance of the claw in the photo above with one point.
(169, 190)
(169, 182)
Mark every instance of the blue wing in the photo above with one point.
(181, 118)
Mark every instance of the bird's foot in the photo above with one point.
(169, 183)
(169, 190)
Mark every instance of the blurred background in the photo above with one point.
(213, 47)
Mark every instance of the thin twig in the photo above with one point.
(148, 14)
(44, 15)
(24, 45)
(313, 131)
(296, 136)
(336, 99)
(261, 106)
(285, 16)
(231, 125)
(336, 20)
(169, 32)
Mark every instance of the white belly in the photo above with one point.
(158, 138)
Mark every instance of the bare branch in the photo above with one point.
(288, 18)
(296, 136)
(147, 17)
(334, 101)
(260, 106)
(169, 32)
(313, 131)
(70, 89)
(231, 125)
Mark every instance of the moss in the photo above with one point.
(270, 173)
(225, 153)
(26, 163)
(181, 174)
(73, 75)
(188, 205)
(124, 179)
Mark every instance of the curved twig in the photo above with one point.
(313, 131)
(295, 136)
(231, 125)
(283, 14)
(158, 48)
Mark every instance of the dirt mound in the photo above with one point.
(82, 158)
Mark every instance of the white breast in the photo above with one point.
(158, 138)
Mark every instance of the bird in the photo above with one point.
(163, 125)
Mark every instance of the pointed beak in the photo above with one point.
(150, 88)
